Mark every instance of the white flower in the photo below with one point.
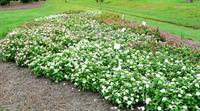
(164, 99)
(184, 67)
(144, 23)
(158, 75)
(84, 81)
(177, 61)
(197, 85)
(12, 33)
(198, 76)
(142, 108)
(159, 108)
(166, 61)
(184, 107)
(125, 98)
(118, 68)
(162, 90)
(148, 100)
(147, 85)
(129, 102)
(123, 30)
(170, 106)
(198, 93)
(117, 46)
(66, 77)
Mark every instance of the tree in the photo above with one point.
(101, 1)
(4, 2)
(189, 1)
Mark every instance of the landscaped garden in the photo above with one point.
(130, 64)
(127, 68)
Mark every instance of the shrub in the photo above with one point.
(4, 2)
(26, 1)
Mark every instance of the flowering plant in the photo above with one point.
(128, 69)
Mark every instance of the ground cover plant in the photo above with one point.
(127, 68)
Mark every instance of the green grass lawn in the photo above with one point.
(12, 18)
(173, 16)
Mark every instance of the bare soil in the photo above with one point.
(17, 5)
(20, 90)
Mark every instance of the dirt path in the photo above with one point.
(22, 91)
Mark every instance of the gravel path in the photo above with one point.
(22, 91)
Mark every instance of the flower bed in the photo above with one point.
(127, 68)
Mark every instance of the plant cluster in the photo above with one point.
(4, 2)
(126, 68)
(118, 21)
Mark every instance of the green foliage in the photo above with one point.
(4, 2)
(99, 1)
(127, 68)
(26, 1)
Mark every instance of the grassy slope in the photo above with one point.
(175, 11)
(11, 19)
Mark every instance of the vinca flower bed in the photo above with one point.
(127, 69)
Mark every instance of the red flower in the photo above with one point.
(130, 45)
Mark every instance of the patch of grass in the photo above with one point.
(13, 18)
(174, 11)
(176, 17)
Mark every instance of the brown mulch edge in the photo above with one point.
(170, 38)
(20, 90)
(14, 5)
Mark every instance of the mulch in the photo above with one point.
(20, 90)
(14, 5)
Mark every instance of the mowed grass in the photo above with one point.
(13, 18)
(173, 16)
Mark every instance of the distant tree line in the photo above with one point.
(99, 1)
(7, 2)
(190, 1)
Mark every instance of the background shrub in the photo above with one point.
(4, 2)
(26, 1)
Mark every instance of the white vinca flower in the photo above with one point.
(166, 61)
(184, 67)
(125, 98)
(123, 30)
(148, 100)
(129, 102)
(184, 107)
(117, 46)
(198, 76)
(164, 99)
(162, 90)
(198, 93)
(159, 108)
(142, 108)
(144, 23)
